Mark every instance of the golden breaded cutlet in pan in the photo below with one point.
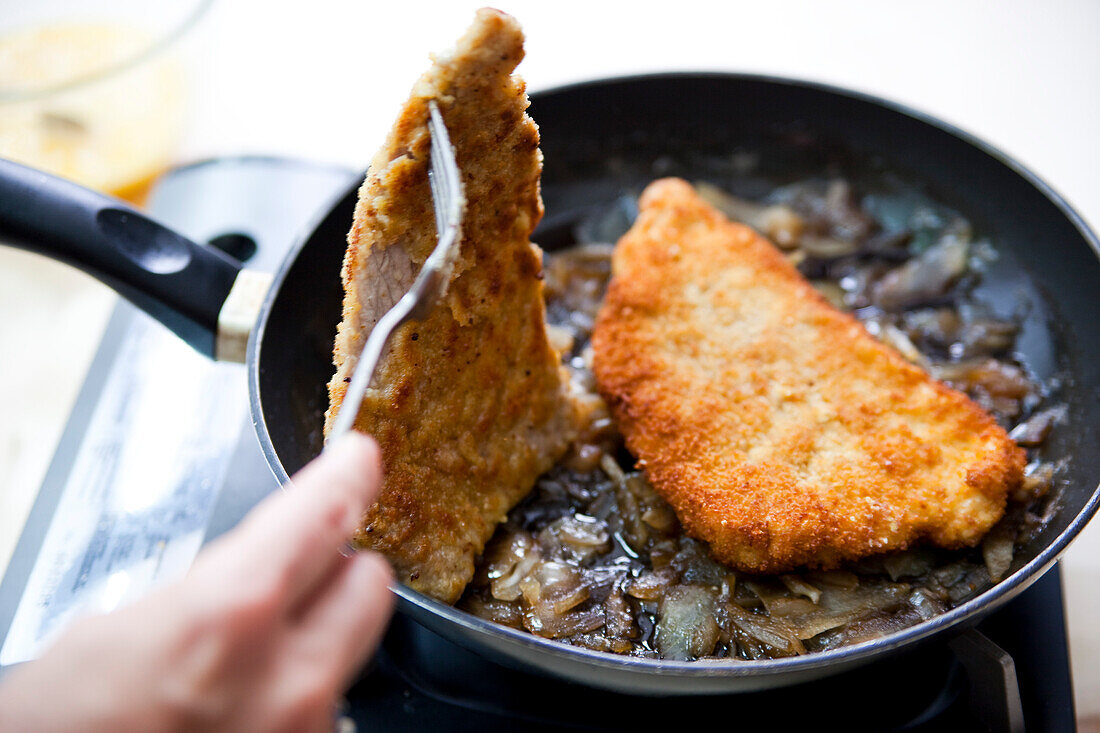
(781, 432)
(471, 404)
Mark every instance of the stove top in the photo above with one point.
(1010, 673)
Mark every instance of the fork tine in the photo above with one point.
(439, 175)
(443, 164)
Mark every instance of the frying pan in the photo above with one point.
(601, 139)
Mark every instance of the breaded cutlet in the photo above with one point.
(470, 405)
(781, 432)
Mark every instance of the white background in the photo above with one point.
(323, 79)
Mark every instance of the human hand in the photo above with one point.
(264, 633)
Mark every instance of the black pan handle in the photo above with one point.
(180, 283)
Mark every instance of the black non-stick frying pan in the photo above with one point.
(600, 139)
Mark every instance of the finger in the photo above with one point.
(292, 540)
(348, 617)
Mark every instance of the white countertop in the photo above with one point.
(322, 81)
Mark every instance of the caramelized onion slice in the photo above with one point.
(510, 561)
(771, 632)
(835, 607)
(686, 628)
(554, 626)
(651, 585)
(841, 579)
(923, 279)
(998, 548)
(800, 587)
(1038, 480)
(908, 564)
(1033, 431)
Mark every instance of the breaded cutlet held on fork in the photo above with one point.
(470, 405)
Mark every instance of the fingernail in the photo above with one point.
(351, 438)
(339, 445)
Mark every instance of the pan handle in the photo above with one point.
(180, 283)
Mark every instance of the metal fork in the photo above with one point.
(430, 284)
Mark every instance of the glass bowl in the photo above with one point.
(95, 90)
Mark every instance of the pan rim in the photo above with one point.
(958, 618)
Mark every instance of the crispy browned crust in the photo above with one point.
(781, 432)
(470, 405)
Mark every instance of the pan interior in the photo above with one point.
(293, 359)
(700, 126)
(603, 139)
